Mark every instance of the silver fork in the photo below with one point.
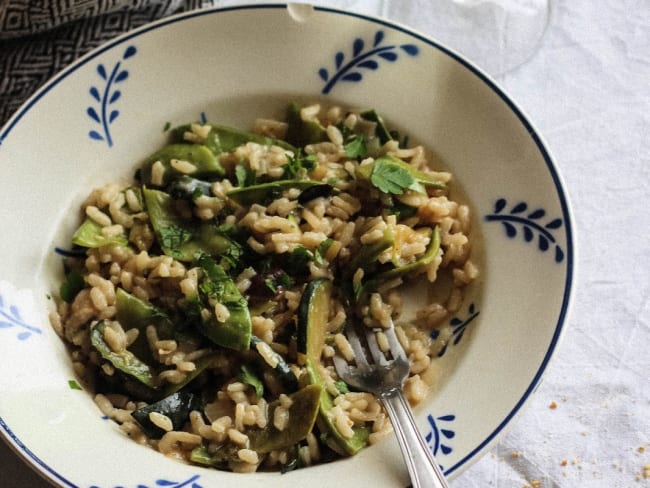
(385, 379)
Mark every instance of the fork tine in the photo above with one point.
(355, 342)
(375, 350)
(396, 348)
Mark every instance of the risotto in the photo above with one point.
(203, 301)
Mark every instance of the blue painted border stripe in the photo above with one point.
(566, 214)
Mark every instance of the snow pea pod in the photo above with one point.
(222, 138)
(302, 412)
(125, 360)
(234, 330)
(180, 238)
(203, 160)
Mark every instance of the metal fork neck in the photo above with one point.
(423, 468)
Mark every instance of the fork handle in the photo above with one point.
(422, 466)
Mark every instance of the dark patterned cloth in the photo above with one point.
(38, 38)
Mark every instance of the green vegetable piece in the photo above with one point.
(178, 237)
(200, 156)
(176, 407)
(200, 365)
(277, 363)
(222, 138)
(429, 255)
(235, 331)
(73, 284)
(313, 312)
(327, 420)
(89, 234)
(392, 175)
(356, 147)
(302, 132)
(381, 131)
(265, 192)
(248, 377)
(366, 257)
(133, 313)
(302, 414)
(220, 459)
(124, 361)
(230, 139)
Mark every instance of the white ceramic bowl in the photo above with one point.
(93, 121)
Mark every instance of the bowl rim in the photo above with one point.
(50, 473)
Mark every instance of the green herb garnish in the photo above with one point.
(356, 147)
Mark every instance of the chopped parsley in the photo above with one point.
(74, 385)
(299, 164)
(321, 250)
(356, 147)
(173, 236)
(390, 177)
(245, 176)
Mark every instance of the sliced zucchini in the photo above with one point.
(313, 314)
(176, 407)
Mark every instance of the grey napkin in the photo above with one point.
(40, 38)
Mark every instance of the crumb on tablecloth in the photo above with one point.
(533, 484)
(552, 406)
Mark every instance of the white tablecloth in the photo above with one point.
(587, 89)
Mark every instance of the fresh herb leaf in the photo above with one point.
(173, 236)
(390, 177)
(270, 284)
(298, 164)
(245, 176)
(321, 250)
(74, 385)
(356, 147)
(73, 284)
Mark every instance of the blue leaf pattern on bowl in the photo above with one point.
(188, 483)
(438, 438)
(352, 71)
(531, 224)
(458, 325)
(10, 317)
(103, 112)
